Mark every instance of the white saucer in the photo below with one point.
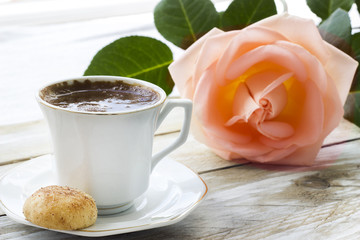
(174, 192)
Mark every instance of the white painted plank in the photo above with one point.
(23, 141)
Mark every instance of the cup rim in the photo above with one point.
(95, 78)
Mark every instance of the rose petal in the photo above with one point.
(243, 105)
(183, 68)
(275, 155)
(298, 30)
(337, 64)
(312, 117)
(304, 156)
(211, 51)
(249, 151)
(245, 41)
(207, 112)
(276, 84)
(269, 86)
(333, 112)
(307, 117)
(313, 66)
(269, 53)
(276, 130)
(341, 68)
(333, 109)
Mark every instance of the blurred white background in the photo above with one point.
(47, 40)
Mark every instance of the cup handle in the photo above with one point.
(170, 105)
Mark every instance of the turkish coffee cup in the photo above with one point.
(102, 130)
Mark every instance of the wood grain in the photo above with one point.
(254, 201)
(263, 202)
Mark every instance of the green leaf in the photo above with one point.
(324, 8)
(135, 57)
(336, 30)
(355, 46)
(242, 13)
(358, 5)
(182, 22)
(352, 108)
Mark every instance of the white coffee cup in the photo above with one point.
(109, 154)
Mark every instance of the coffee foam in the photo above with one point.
(99, 96)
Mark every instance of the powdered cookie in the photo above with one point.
(60, 208)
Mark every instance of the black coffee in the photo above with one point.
(101, 96)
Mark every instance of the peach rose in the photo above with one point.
(268, 93)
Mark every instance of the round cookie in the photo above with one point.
(62, 208)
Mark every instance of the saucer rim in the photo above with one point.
(107, 232)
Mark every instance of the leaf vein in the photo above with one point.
(187, 20)
(253, 13)
(149, 69)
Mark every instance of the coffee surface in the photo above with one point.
(100, 96)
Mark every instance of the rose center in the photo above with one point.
(265, 104)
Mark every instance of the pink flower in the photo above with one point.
(269, 93)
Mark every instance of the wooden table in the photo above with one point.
(253, 201)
